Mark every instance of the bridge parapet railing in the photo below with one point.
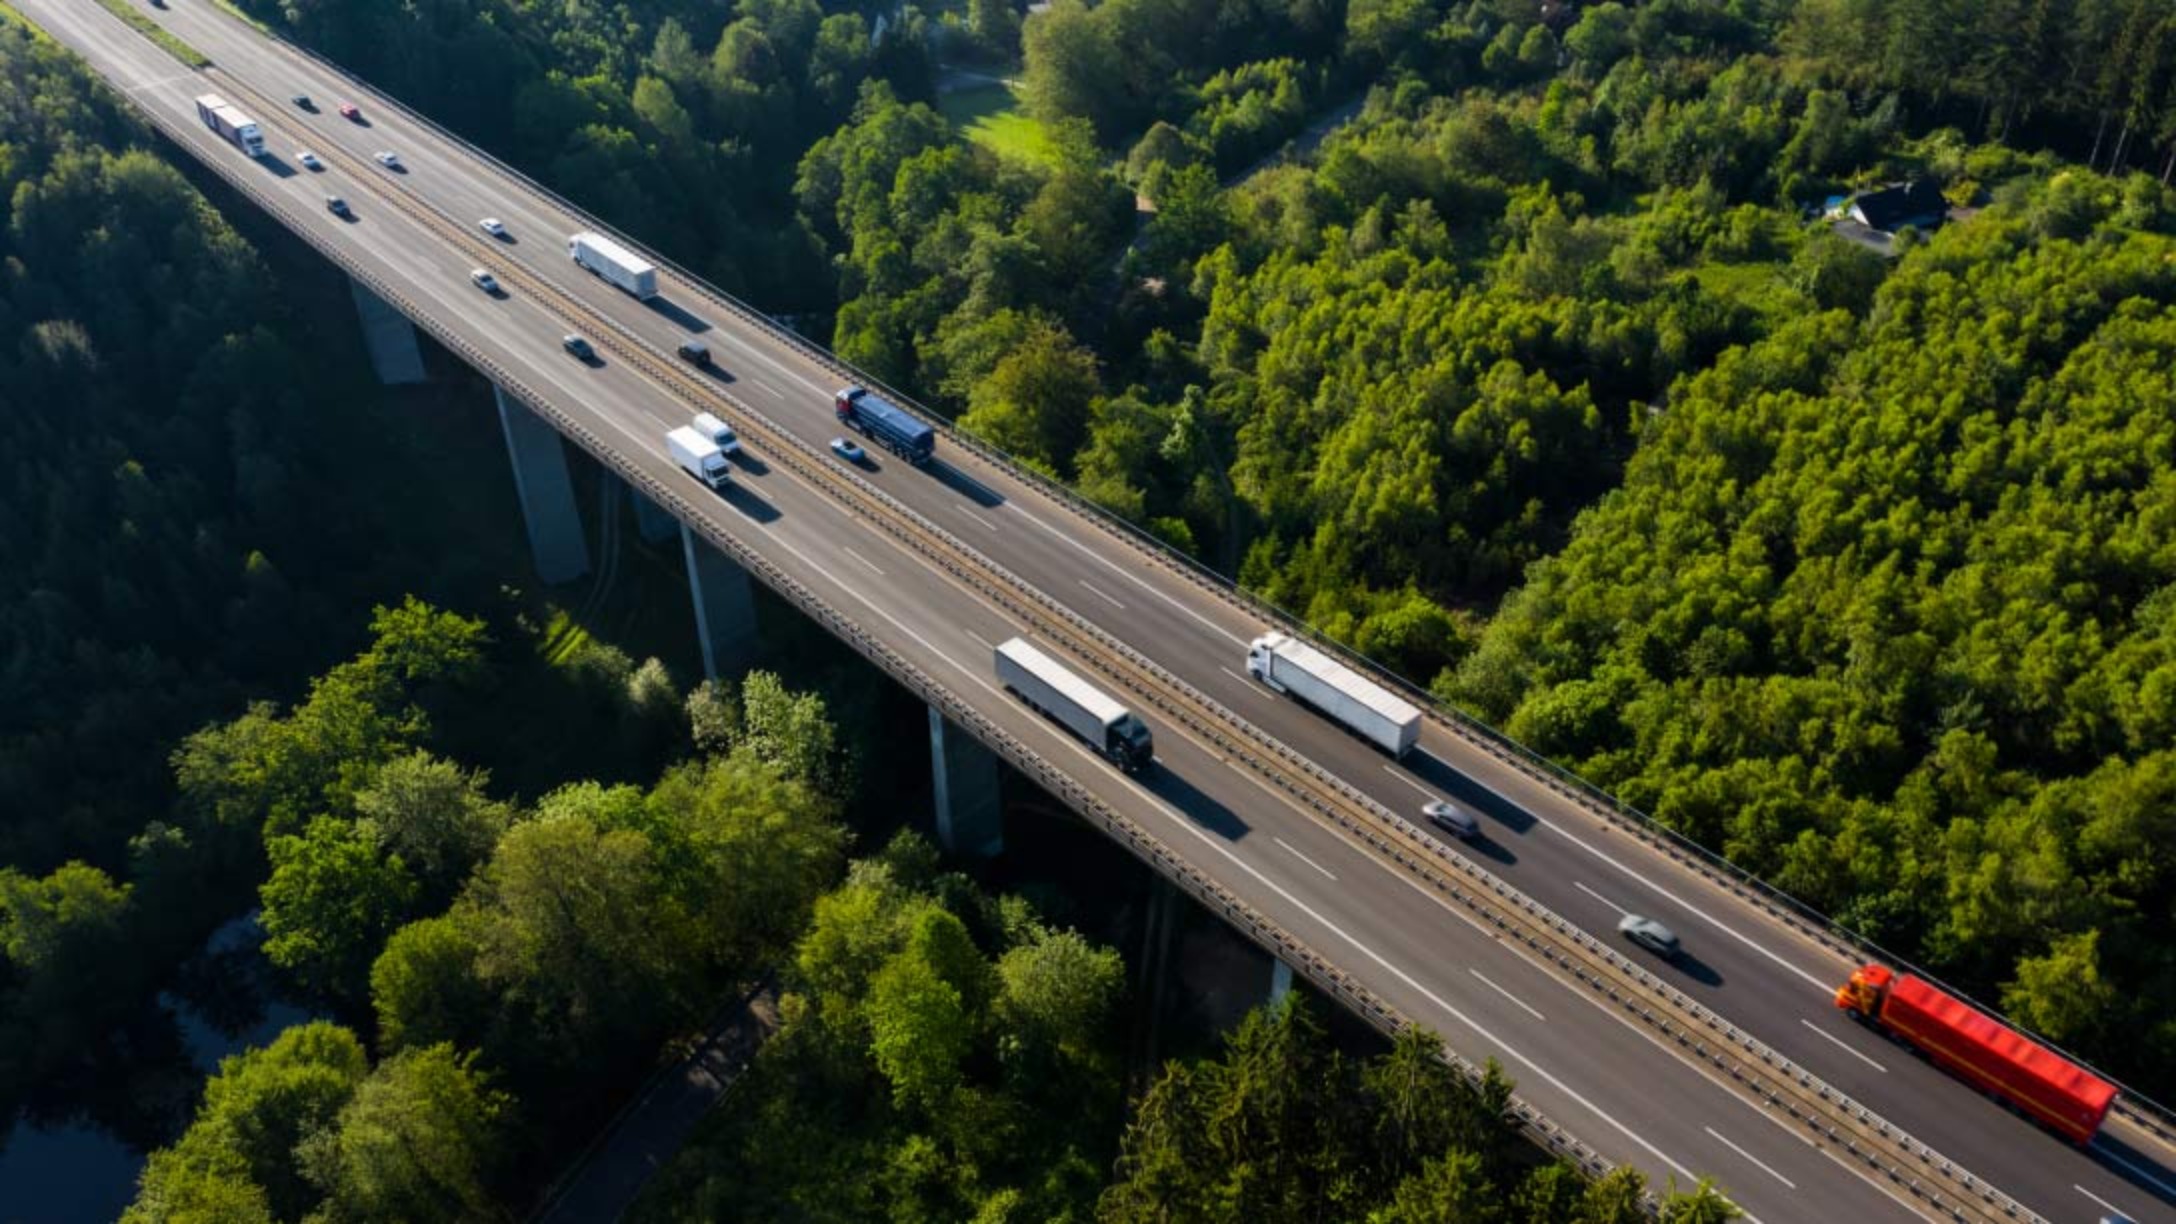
(1808, 921)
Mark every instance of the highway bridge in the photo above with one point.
(1731, 1063)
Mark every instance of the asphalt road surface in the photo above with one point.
(1616, 1085)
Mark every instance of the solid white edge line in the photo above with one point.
(926, 644)
(1599, 897)
(1540, 1072)
(1505, 993)
(1758, 1163)
(1823, 986)
(1137, 580)
(1222, 850)
(2134, 1170)
(1820, 1032)
(1301, 857)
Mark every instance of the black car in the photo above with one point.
(695, 351)
(302, 102)
(577, 346)
(337, 206)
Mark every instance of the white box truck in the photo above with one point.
(1078, 706)
(238, 129)
(1369, 710)
(717, 431)
(699, 457)
(615, 263)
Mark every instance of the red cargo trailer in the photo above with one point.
(2066, 1097)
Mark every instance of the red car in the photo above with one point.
(348, 111)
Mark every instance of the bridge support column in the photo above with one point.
(725, 608)
(389, 336)
(651, 519)
(548, 507)
(965, 776)
(1280, 981)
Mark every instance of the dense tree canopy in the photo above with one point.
(1882, 609)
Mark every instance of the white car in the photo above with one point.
(309, 160)
(485, 281)
(493, 226)
(389, 159)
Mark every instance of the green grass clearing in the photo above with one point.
(991, 116)
(157, 33)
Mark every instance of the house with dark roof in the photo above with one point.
(1918, 204)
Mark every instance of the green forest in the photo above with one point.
(1540, 381)
(1505, 341)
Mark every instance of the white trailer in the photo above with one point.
(1080, 707)
(236, 128)
(717, 431)
(1371, 711)
(614, 262)
(699, 457)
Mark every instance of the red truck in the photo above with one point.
(2066, 1097)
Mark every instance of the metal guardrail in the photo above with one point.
(1326, 976)
(2156, 1118)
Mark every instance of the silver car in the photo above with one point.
(1649, 934)
(1452, 819)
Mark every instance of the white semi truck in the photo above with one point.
(1369, 710)
(699, 457)
(1080, 707)
(238, 129)
(615, 263)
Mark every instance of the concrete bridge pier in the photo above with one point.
(969, 820)
(725, 608)
(389, 336)
(548, 508)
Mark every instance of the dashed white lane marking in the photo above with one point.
(1818, 983)
(1393, 771)
(1533, 1068)
(1303, 858)
(1757, 1162)
(1599, 897)
(864, 560)
(1505, 993)
(1136, 579)
(2098, 1199)
(1101, 594)
(1243, 680)
(1844, 1047)
(978, 518)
